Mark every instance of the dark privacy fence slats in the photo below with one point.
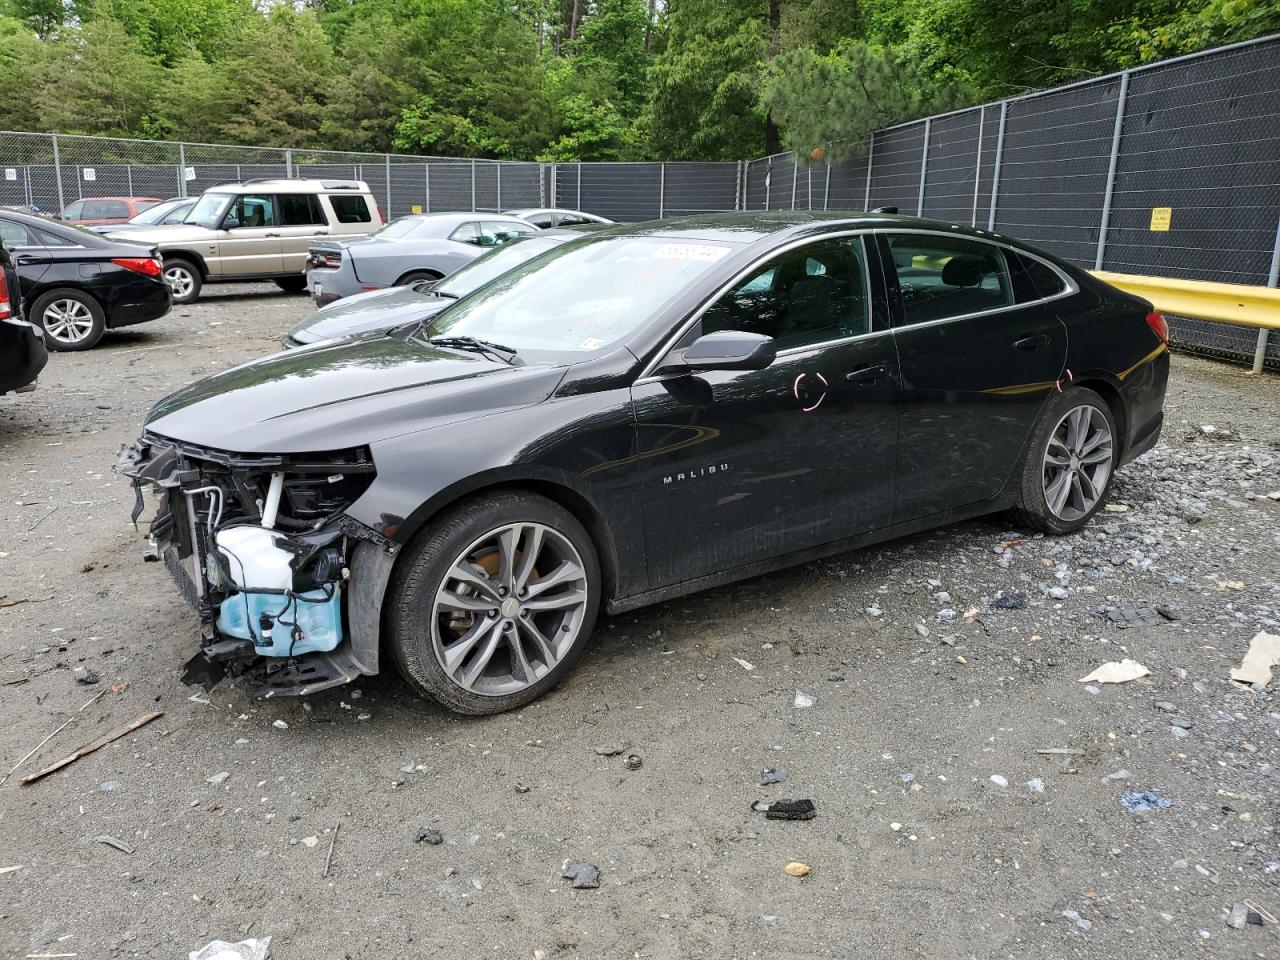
(1199, 135)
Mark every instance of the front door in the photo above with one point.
(249, 241)
(981, 352)
(740, 467)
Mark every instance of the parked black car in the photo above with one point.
(649, 411)
(76, 284)
(22, 351)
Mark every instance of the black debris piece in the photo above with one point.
(427, 835)
(585, 876)
(791, 810)
(1009, 601)
(1125, 617)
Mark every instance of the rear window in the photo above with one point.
(105, 210)
(350, 208)
(14, 234)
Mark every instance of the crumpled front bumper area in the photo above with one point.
(261, 547)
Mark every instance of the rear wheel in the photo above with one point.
(72, 320)
(292, 284)
(493, 604)
(1070, 463)
(184, 279)
(415, 276)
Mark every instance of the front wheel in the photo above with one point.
(491, 606)
(292, 284)
(1070, 463)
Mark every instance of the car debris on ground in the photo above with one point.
(1263, 654)
(243, 950)
(585, 876)
(120, 731)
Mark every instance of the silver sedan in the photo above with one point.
(426, 246)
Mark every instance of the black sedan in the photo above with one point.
(22, 351)
(653, 410)
(77, 284)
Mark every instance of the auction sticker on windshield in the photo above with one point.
(691, 251)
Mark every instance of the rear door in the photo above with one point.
(30, 257)
(249, 240)
(981, 352)
(302, 220)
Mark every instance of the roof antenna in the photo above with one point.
(885, 210)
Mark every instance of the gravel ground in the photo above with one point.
(941, 831)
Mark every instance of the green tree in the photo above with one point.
(704, 86)
(828, 104)
(22, 72)
(97, 80)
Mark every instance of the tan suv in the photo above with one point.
(258, 230)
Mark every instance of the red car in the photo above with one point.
(98, 210)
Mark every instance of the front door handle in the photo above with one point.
(868, 374)
(24, 259)
(271, 234)
(1033, 342)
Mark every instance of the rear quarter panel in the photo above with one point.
(1109, 342)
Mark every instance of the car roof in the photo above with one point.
(295, 185)
(461, 216)
(148, 199)
(749, 227)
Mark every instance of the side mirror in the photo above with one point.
(727, 350)
(230, 223)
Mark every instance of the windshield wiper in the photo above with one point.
(507, 354)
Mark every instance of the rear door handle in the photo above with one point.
(868, 374)
(1033, 342)
(24, 259)
(271, 234)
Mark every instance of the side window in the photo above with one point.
(807, 295)
(51, 239)
(570, 220)
(72, 211)
(14, 234)
(945, 277)
(502, 232)
(543, 220)
(467, 233)
(1032, 280)
(300, 210)
(350, 208)
(253, 211)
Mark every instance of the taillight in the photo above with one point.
(1159, 326)
(144, 265)
(6, 310)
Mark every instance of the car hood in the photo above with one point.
(363, 312)
(342, 394)
(170, 233)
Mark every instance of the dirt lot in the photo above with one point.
(941, 830)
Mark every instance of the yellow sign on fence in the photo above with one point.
(417, 208)
(1160, 219)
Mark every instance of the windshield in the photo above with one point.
(156, 213)
(494, 264)
(398, 229)
(582, 297)
(208, 210)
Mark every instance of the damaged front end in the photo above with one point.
(262, 548)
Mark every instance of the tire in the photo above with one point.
(71, 320)
(1065, 467)
(184, 279)
(292, 284)
(444, 617)
(413, 276)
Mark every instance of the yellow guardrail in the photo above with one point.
(1257, 307)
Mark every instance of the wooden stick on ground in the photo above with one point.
(36, 748)
(139, 721)
(329, 859)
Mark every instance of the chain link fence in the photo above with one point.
(1171, 169)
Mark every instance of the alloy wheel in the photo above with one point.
(510, 608)
(1077, 462)
(68, 321)
(180, 281)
